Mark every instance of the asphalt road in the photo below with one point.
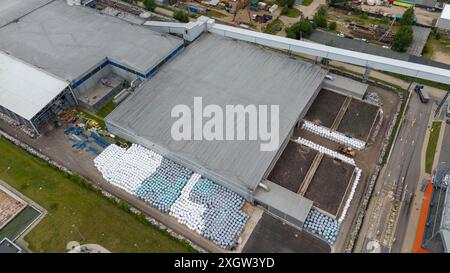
(412, 171)
(402, 172)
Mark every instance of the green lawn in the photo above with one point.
(213, 13)
(105, 110)
(95, 117)
(77, 213)
(307, 2)
(431, 147)
(292, 12)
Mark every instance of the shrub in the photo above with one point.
(332, 26)
(407, 17)
(150, 5)
(403, 38)
(320, 19)
(301, 29)
(181, 16)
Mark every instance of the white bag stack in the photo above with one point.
(323, 226)
(334, 136)
(350, 196)
(186, 211)
(207, 208)
(326, 151)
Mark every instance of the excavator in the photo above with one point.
(348, 151)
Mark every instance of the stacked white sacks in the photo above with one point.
(164, 186)
(323, 226)
(223, 218)
(132, 168)
(108, 161)
(326, 151)
(334, 136)
(352, 193)
(187, 212)
(202, 205)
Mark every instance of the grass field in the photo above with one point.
(307, 2)
(76, 213)
(95, 117)
(431, 147)
(213, 13)
(105, 110)
(292, 12)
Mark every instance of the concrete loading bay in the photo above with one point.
(324, 180)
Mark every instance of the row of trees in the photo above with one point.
(305, 27)
(404, 36)
(178, 15)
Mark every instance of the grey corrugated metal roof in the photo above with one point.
(10, 10)
(70, 40)
(284, 200)
(426, 3)
(420, 39)
(224, 72)
(346, 86)
(26, 96)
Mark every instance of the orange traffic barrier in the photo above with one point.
(417, 247)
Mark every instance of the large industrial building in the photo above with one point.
(80, 56)
(29, 95)
(211, 68)
(95, 54)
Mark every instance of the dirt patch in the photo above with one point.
(324, 109)
(441, 57)
(292, 167)
(358, 119)
(329, 184)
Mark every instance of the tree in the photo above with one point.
(402, 39)
(301, 29)
(332, 26)
(181, 16)
(150, 5)
(320, 19)
(286, 3)
(290, 3)
(407, 17)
